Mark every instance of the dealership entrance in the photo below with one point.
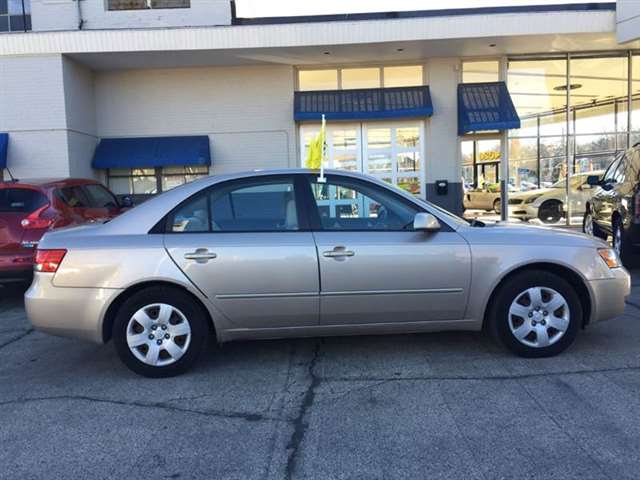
(390, 151)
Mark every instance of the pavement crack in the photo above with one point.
(456, 378)
(564, 430)
(300, 422)
(16, 339)
(248, 416)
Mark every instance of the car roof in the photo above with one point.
(47, 182)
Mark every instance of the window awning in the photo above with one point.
(364, 104)
(4, 144)
(150, 152)
(485, 106)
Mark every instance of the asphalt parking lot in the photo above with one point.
(408, 406)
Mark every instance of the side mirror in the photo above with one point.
(425, 222)
(126, 202)
(593, 180)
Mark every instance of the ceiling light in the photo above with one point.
(563, 88)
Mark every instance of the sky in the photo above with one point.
(275, 8)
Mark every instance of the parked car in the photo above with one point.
(547, 204)
(614, 208)
(29, 208)
(485, 198)
(271, 254)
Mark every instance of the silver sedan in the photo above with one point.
(273, 254)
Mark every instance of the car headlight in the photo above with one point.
(610, 257)
(532, 198)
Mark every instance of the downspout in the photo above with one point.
(80, 19)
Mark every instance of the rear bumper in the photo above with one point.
(67, 312)
(16, 267)
(608, 295)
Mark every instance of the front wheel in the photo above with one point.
(590, 227)
(496, 205)
(621, 245)
(550, 211)
(160, 332)
(536, 314)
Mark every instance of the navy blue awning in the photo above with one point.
(364, 104)
(4, 144)
(485, 106)
(149, 152)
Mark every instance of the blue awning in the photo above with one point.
(364, 104)
(485, 106)
(4, 144)
(150, 152)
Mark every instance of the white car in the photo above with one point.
(547, 204)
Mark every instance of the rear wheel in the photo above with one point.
(550, 211)
(160, 332)
(536, 314)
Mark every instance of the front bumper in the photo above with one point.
(67, 312)
(608, 295)
(523, 211)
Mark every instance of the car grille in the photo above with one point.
(515, 201)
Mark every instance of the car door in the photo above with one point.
(246, 245)
(605, 197)
(373, 267)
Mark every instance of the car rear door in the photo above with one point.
(373, 267)
(246, 245)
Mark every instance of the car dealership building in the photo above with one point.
(148, 94)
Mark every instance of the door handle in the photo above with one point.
(338, 252)
(201, 255)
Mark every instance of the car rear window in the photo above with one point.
(21, 200)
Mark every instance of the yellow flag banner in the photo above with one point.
(316, 150)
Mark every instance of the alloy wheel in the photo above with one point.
(158, 334)
(539, 317)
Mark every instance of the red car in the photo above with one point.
(31, 207)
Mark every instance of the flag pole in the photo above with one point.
(321, 178)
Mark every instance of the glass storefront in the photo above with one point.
(390, 151)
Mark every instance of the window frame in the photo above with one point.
(315, 222)
(157, 174)
(379, 67)
(107, 7)
(164, 226)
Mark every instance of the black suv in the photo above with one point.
(614, 208)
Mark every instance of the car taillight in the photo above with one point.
(48, 260)
(34, 219)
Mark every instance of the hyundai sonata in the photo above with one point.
(273, 254)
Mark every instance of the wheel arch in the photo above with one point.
(563, 271)
(112, 309)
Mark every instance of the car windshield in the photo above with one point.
(20, 200)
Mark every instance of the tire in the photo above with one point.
(524, 334)
(591, 228)
(550, 211)
(496, 205)
(181, 322)
(621, 245)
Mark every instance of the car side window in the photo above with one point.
(253, 205)
(74, 197)
(100, 197)
(347, 205)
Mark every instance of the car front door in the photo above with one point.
(244, 243)
(603, 201)
(374, 268)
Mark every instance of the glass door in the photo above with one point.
(388, 151)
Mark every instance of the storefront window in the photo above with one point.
(405, 76)
(314, 80)
(360, 78)
(144, 182)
